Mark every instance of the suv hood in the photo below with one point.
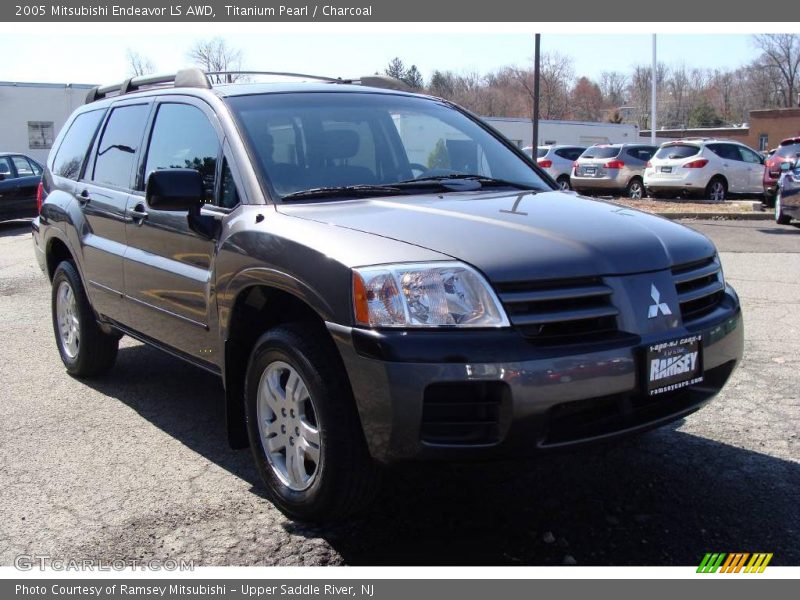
(521, 236)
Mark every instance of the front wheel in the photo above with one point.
(780, 217)
(84, 347)
(304, 428)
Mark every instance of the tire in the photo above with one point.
(717, 189)
(780, 217)
(84, 347)
(635, 189)
(563, 183)
(332, 475)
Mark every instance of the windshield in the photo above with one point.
(313, 140)
(677, 151)
(600, 152)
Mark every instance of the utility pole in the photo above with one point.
(536, 60)
(653, 96)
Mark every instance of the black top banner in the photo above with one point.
(399, 11)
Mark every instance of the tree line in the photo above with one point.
(688, 96)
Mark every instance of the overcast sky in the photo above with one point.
(81, 57)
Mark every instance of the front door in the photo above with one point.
(167, 264)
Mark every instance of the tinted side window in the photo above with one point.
(574, 153)
(643, 153)
(183, 138)
(24, 168)
(726, 151)
(72, 152)
(748, 155)
(116, 154)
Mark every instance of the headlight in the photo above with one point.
(446, 294)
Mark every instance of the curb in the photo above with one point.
(753, 216)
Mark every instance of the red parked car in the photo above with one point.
(787, 151)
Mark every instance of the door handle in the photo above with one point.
(139, 214)
(84, 197)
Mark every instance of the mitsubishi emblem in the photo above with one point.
(657, 305)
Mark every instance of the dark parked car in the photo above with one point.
(377, 276)
(19, 179)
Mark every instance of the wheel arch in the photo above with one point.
(256, 308)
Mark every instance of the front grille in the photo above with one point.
(561, 312)
(464, 413)
(700, 287)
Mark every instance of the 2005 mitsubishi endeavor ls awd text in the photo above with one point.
(376, 275)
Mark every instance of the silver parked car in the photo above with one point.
(612, 168)
(557, 160)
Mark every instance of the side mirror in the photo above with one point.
(786, 166)
(175, 189)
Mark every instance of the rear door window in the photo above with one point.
(642, 153)
(119, 146)
(725, 151)
(71, 153)
(677, 151)
(23, 166)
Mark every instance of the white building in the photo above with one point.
(580, 133)
(32, 114)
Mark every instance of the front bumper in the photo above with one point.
(524, 398)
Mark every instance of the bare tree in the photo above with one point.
(216, 55)
(612, 84)
(781, 54)
(138, 64)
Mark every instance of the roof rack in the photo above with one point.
(196, 78)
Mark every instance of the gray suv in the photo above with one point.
(612, 168)
(376, 276)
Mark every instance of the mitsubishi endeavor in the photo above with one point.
(377, 276)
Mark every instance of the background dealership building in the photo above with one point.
(32, 114)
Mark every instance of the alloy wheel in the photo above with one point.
(68, 322)
(287, 423)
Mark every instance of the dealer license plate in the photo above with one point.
(589, 170)
(674, 365)
(666, 169)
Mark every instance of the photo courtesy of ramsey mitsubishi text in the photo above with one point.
(470, 298)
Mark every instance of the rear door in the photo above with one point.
(733, 168)
(103, 194)
(168, 265)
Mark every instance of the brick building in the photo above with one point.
(767, 127)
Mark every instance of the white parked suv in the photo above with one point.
(705, 167)
(557, 160)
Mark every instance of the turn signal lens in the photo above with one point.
(39, 198)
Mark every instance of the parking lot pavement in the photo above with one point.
(135, 465)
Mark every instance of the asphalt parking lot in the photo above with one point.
(135, 465)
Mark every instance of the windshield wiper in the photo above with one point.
(350, 191)
(484, 181)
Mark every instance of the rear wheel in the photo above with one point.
(563, 183)
(780, 217)
(635, 189)
(304, 428)
(717, 189)
(84, 347)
